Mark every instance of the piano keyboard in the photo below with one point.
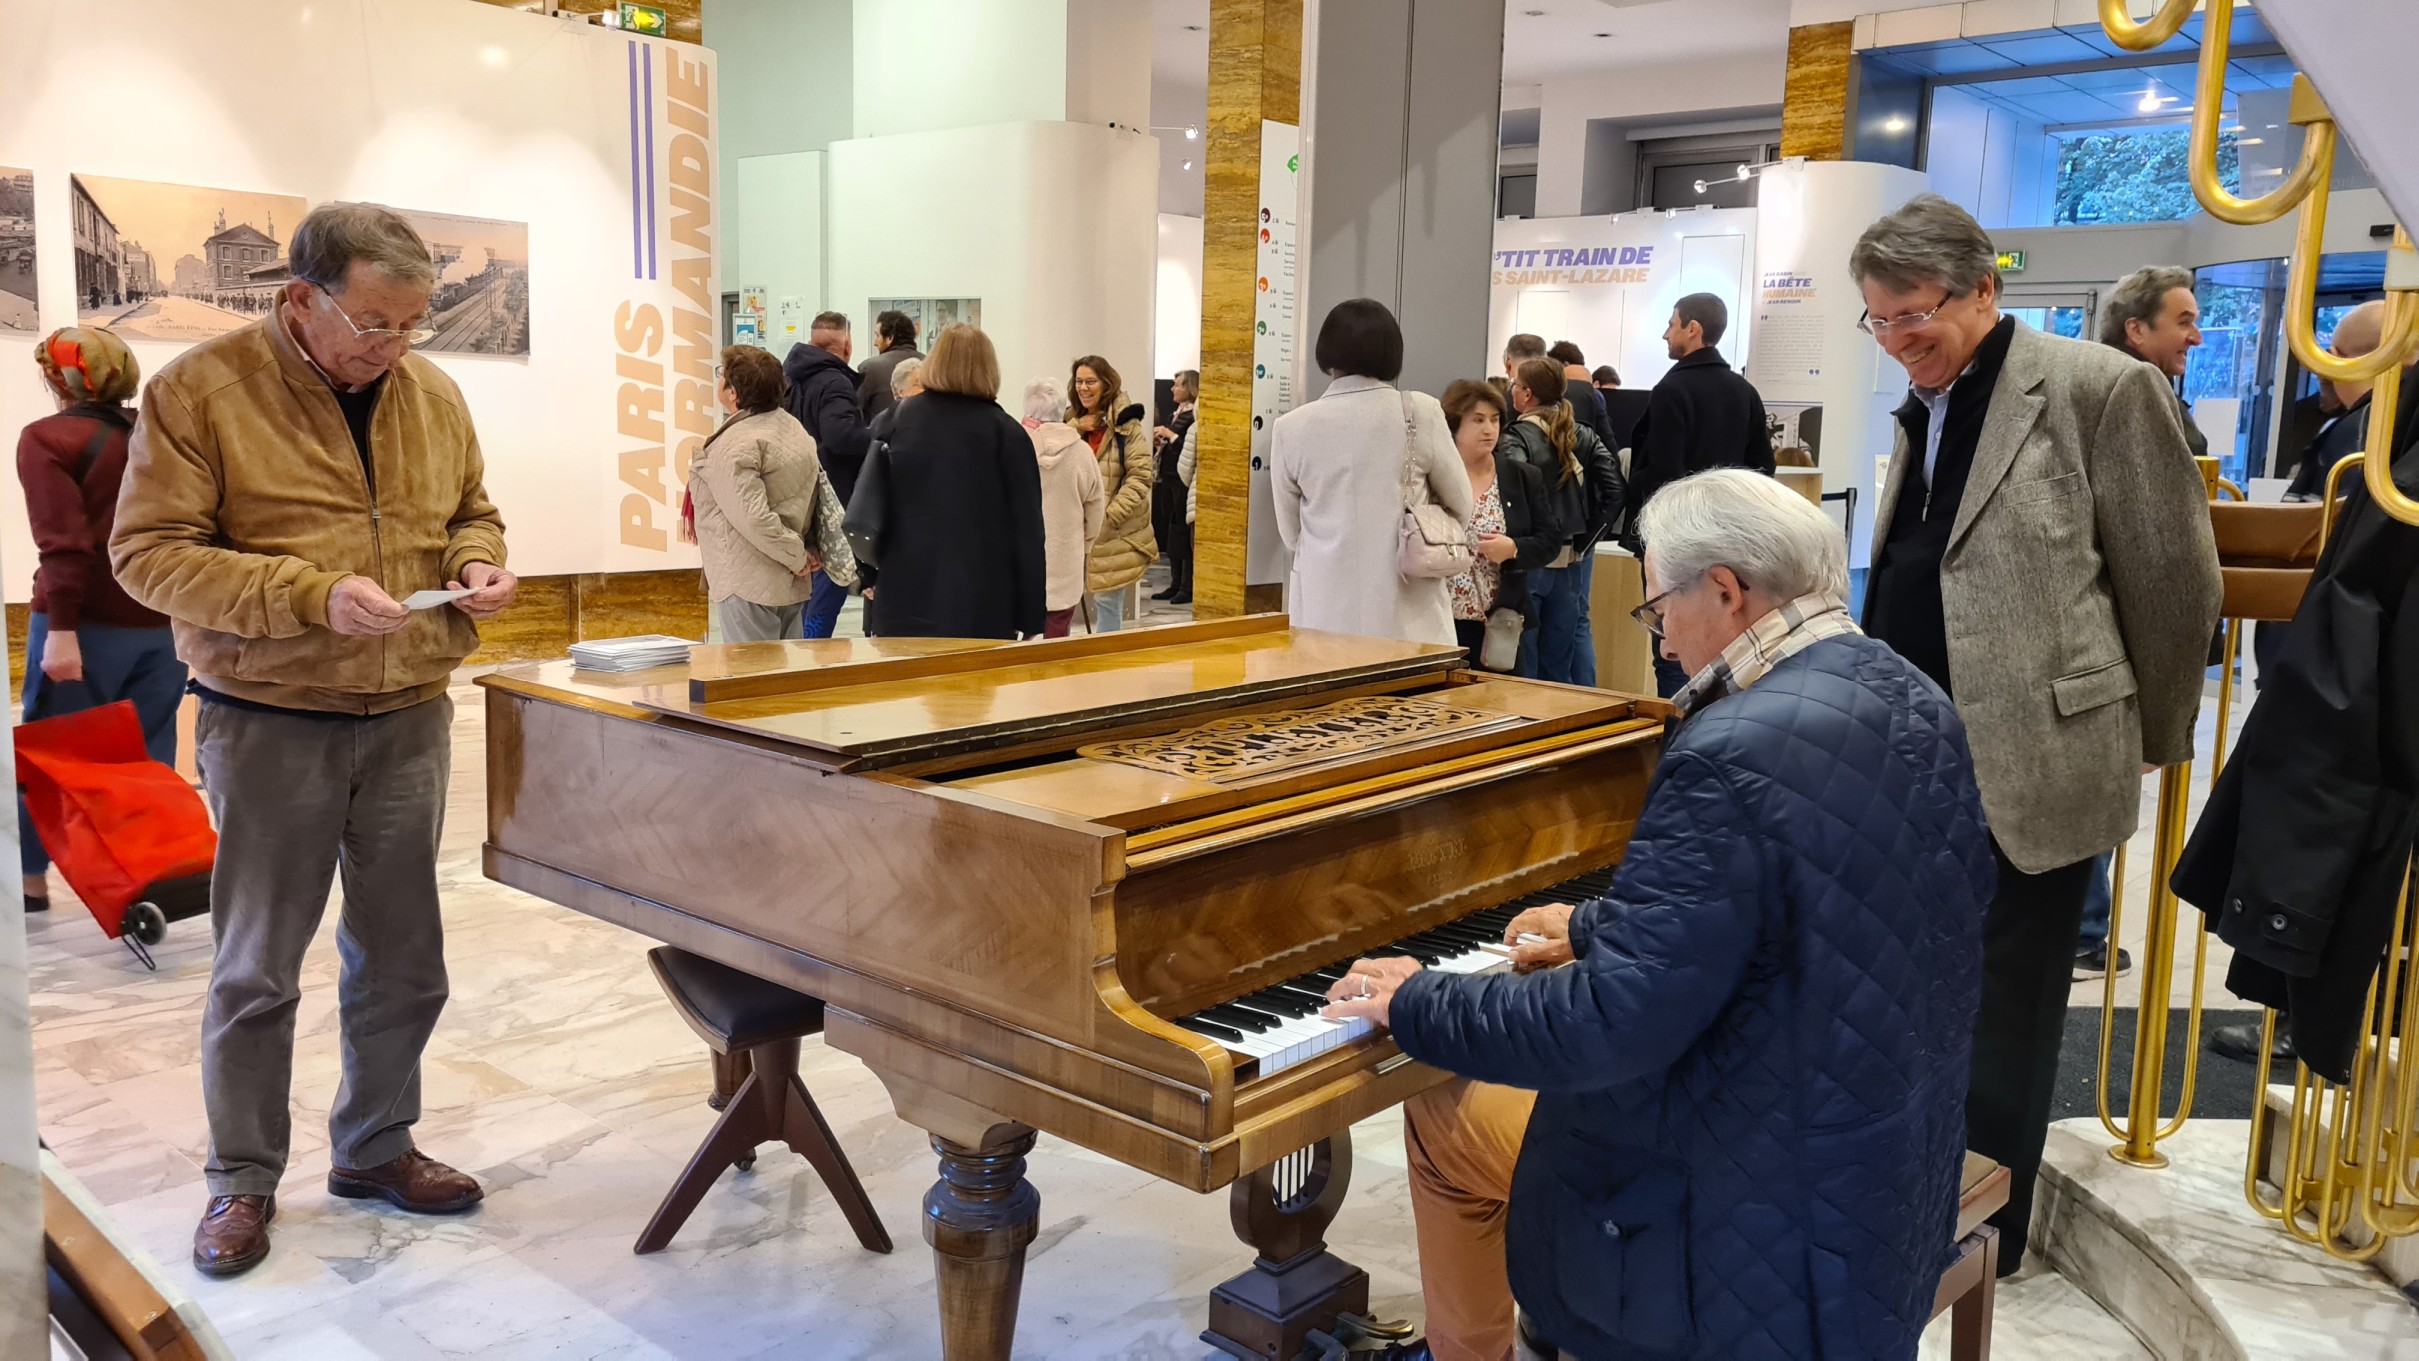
(1278, 1027)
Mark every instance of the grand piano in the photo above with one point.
(1089, 887)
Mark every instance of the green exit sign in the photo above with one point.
(2011, 262)
(645, 19)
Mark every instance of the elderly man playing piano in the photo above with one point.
(1733, 1125)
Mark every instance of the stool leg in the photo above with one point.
(1970, 1318)
(729, 1071)
(800, 1124)
(737, 1133)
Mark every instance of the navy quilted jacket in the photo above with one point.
(1750, 1124)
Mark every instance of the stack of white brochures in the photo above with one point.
(630, 654)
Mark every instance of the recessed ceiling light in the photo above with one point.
(1534, 13)
(2150, 101)
(1191, 133)
(1895, 124)
(1188, 165)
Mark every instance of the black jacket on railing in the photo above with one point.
(2299, 856)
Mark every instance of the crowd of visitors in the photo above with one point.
(1701, 1077)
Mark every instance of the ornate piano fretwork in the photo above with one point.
(1232, 750)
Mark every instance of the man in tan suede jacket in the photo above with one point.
(289, 485)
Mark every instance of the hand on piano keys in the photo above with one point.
(1540, 937)
(1366, 991)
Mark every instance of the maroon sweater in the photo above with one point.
(73, 584)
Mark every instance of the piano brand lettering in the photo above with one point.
(668, 408)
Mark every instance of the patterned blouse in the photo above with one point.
(1474, 591)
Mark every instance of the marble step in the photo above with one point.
(2042, 1316)
(2179, 1257)
(2399, 1258)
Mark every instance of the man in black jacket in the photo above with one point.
(1702, 415)
(1587, 404)
(1623, 407)
(823, 396)
(894, 344)
(2299, 856)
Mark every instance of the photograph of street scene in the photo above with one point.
(481, 305)
(17, 250)
(176, 263)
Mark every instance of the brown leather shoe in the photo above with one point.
(414, 1182)
(234, 1234)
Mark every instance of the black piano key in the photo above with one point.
(1200, 1025)
(1237, 1018)
(1245, 1005)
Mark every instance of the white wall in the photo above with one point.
(1672, 94)
(924, 65)
(427, 104)
(1176, 330)
(1616, 312)
(1997, 166)
(776, 240)
(788, 70)
(1060, 274)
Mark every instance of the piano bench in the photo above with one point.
(1969, 1289)
(739, 1015)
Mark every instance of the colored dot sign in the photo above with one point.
(1264, 283)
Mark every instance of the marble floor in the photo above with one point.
(561, 1078)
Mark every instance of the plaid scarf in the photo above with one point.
(1782, 632)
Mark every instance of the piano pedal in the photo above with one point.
(1357, 1327)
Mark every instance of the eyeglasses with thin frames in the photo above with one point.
(1651, 613)
(420, 335)
(1878, 327)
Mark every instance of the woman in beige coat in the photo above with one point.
(1072, 503)
(1336, 472)
(1120, 436)
(752, 496)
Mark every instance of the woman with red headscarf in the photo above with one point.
(89, 643)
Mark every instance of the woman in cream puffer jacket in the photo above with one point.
(1119, 434)
(752, 497)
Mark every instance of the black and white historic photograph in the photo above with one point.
(481, 305)
(17, 311)
(174, 262)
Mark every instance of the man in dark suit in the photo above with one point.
(1587, 404)
(1623, 407)
(1702, 415)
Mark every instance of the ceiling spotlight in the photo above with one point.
(1191, 133)
(1745, 174)
(1896, 123)
(2150, 101)
(1700, 186)
(1188, 165)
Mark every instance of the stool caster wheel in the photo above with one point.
(747, 1163)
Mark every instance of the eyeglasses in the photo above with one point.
(378, 335)
(1877, 327)
(1651, 613)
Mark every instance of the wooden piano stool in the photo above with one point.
(737, 1013)
(1969, 1289)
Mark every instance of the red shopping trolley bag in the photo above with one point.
(127, 833)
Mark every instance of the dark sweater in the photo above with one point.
(1902, 605)
(1701, 415)
(71, 522)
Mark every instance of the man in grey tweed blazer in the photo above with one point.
(2042, 551)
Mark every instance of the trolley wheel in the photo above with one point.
(146, 923)
(748, 1163)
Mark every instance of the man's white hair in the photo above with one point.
(1774, 539)
(1043, 401)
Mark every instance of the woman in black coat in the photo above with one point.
(960, 537)
(1512, 522)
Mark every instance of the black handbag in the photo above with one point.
(869, 505)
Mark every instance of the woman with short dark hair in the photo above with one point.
(751, 501)
(1338, 471)
(1512, 526)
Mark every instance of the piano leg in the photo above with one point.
(1295, 1284)
(979, 1217)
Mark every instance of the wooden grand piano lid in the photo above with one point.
(886, 702)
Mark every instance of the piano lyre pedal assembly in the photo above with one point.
(1090, 887)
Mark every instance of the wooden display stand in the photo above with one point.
(1625, 656)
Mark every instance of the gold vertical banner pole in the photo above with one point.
(2142, 1127)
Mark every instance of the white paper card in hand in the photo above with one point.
(426, 600)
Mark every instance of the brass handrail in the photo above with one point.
(2141, 37)
(2401, 326)
(2334, 496)
(2317, 161)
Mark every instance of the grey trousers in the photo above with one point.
(297, 799)
(745, 621)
